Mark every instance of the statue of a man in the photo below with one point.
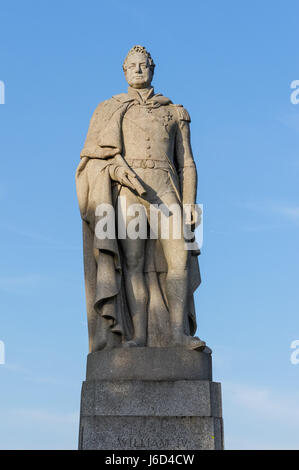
(139, 291)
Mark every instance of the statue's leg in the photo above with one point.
(133, 252)
(177, 258)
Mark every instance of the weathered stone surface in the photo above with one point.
(151, 398)
(151, 433)
(149, 364)
(183, 414)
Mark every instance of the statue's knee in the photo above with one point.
(134, 262)
(177, 262)
(178, 273)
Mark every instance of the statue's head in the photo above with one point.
(139, 67)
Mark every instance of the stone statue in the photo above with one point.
(148, 378)
(139, 291)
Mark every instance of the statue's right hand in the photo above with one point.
(124, 176)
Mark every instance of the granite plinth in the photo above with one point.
(150, 398)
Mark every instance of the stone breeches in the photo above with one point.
(156, 182)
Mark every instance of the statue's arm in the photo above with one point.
(185, 161)
(91, 148)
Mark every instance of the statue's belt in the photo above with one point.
(147, 163)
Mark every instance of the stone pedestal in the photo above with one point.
(150, 398)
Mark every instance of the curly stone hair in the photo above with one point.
(141, 50)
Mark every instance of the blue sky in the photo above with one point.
(231, 65)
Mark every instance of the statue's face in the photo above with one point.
(138, 73)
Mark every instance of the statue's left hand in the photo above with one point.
(192, 214)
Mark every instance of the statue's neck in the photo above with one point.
(144, 93)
